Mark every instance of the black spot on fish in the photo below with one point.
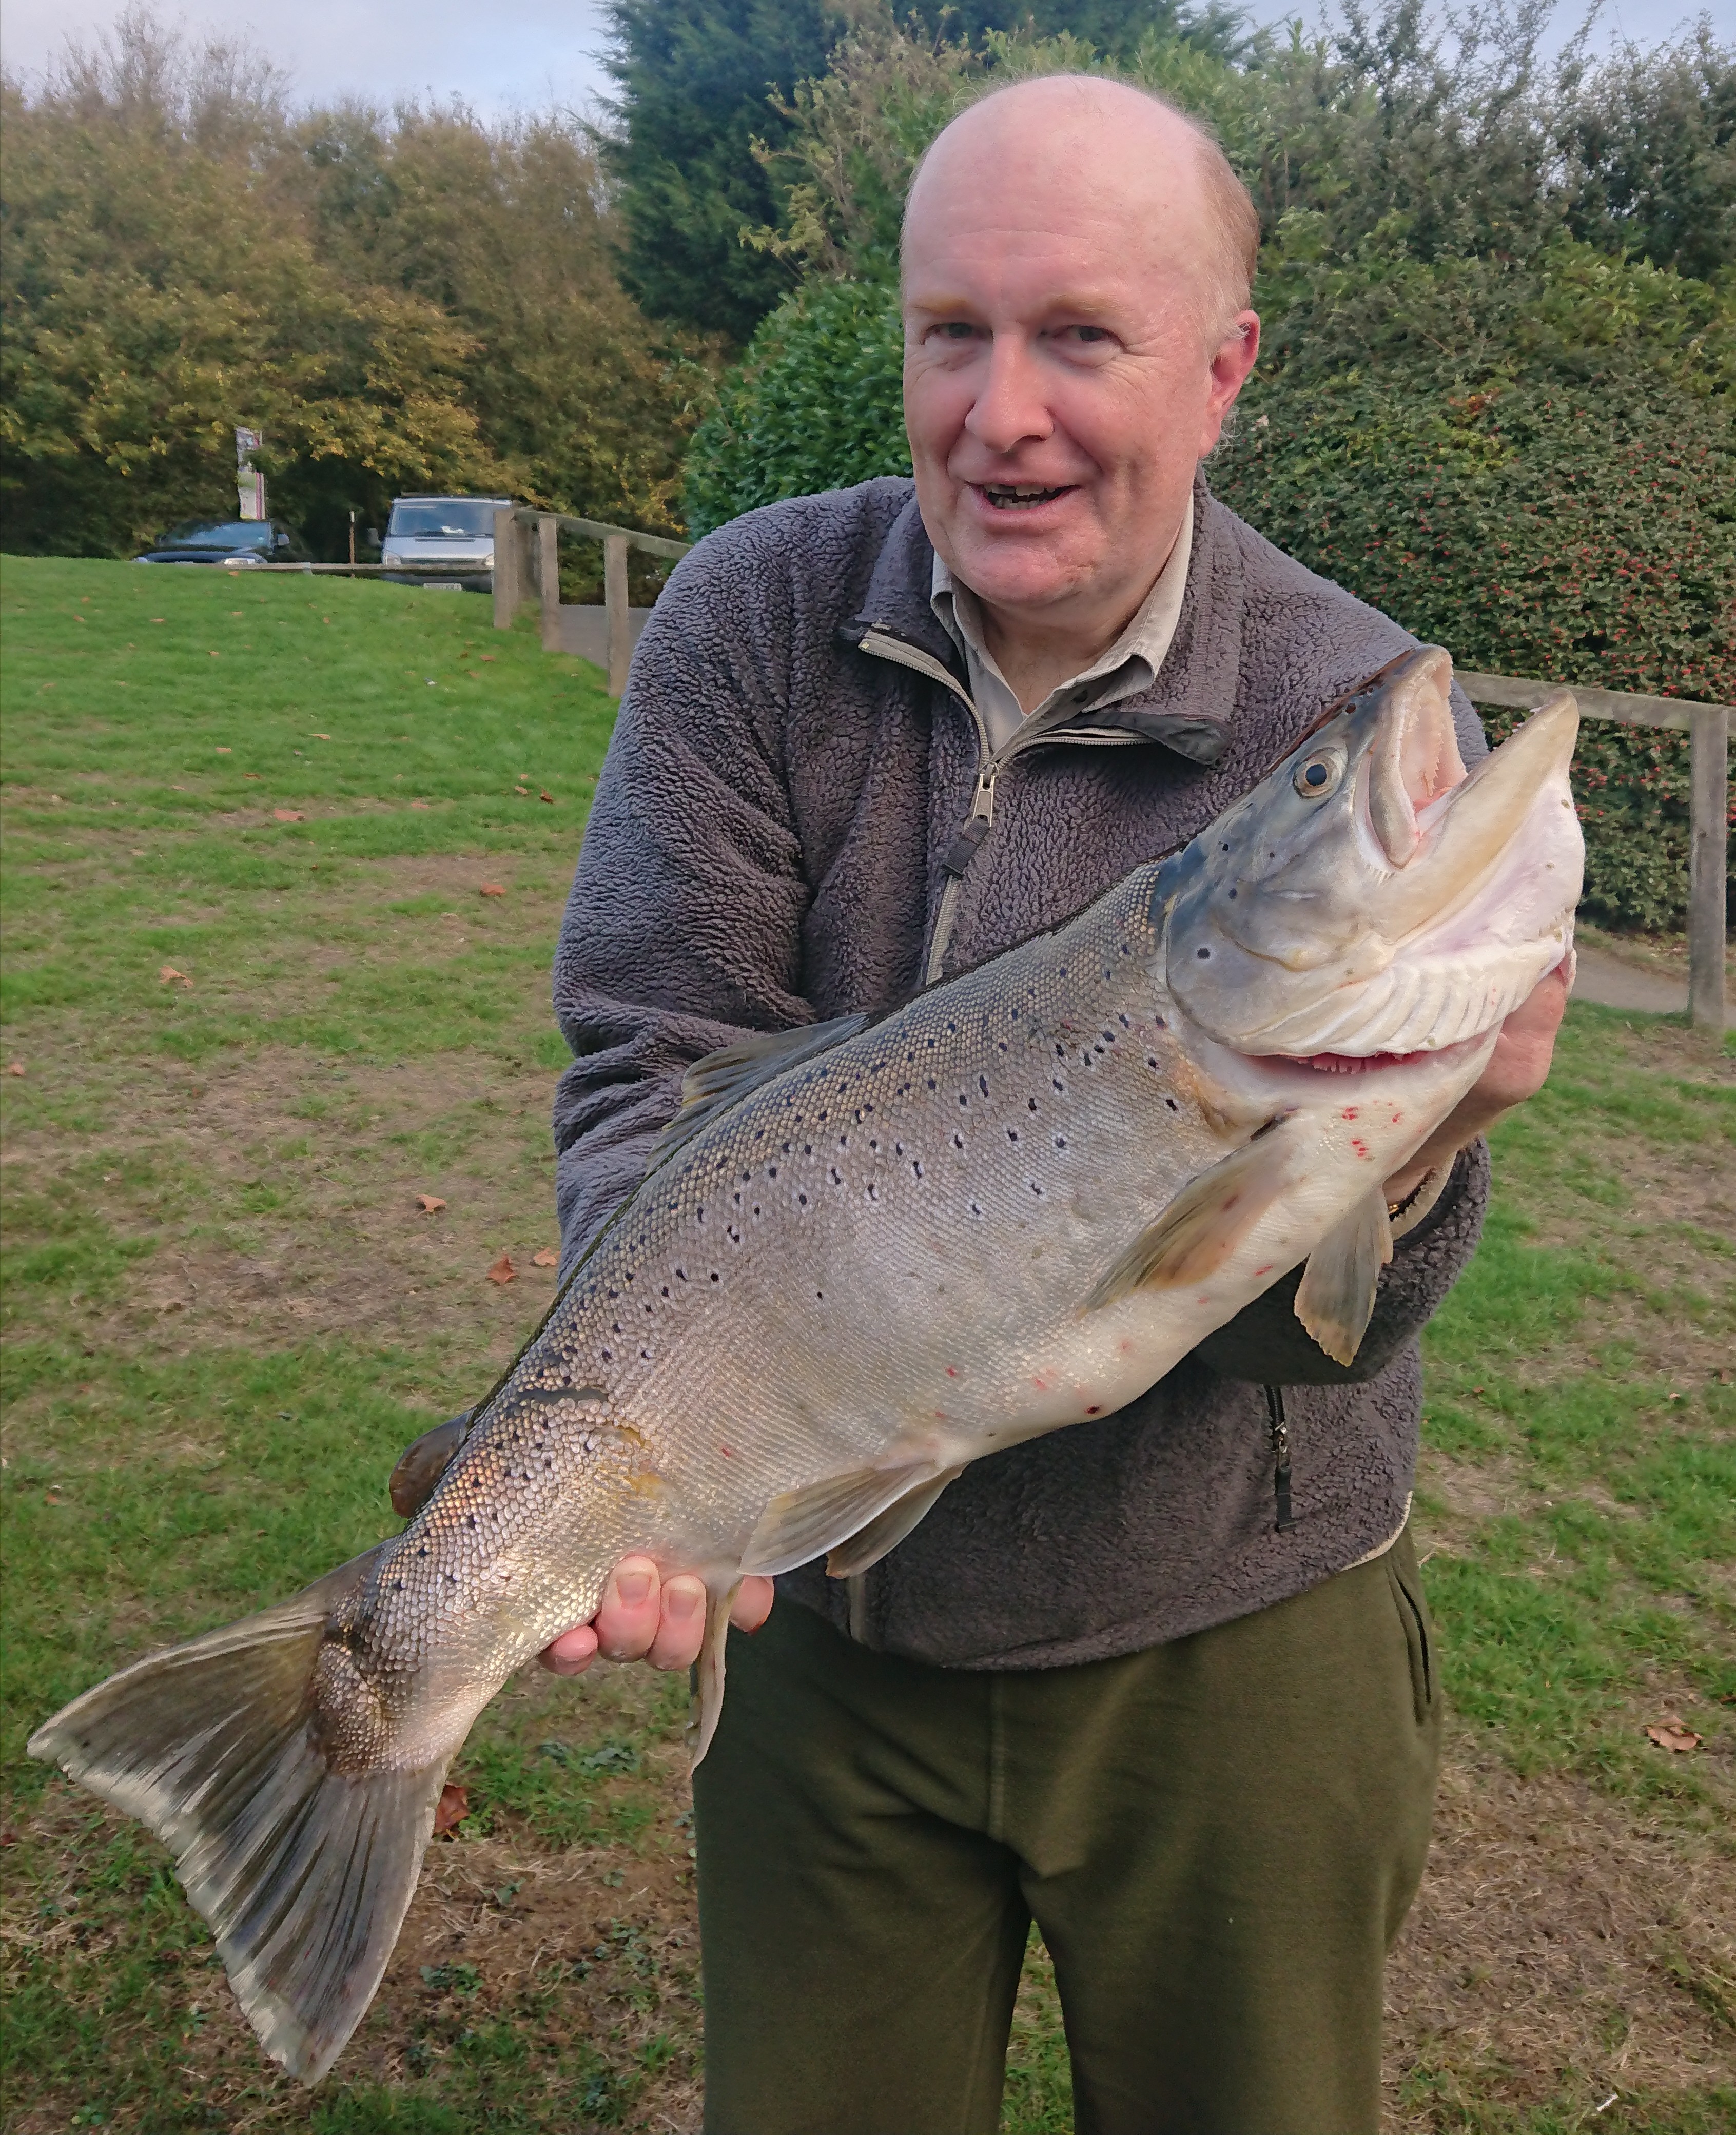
(1061, 1142)
(1173, 1105)
(1030, 1104)
(1204, 955)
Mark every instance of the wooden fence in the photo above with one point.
(527, 567)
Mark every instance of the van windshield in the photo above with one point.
(432, 519)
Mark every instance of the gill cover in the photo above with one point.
(1369, 896)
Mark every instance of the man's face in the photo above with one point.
(1059, 391)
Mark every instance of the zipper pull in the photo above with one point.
(1280, 1430)
(975, 828)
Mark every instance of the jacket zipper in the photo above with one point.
(1280, 1431)
(991, 762)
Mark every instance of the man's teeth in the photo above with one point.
(1003, 495)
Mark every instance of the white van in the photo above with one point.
(445, 543)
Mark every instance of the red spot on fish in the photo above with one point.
(1350, 1112)
(1041, 1383)
(1266, 1270)
(952, 1372)
(1094, 1410)
(726, 1453)
(1360, 1147)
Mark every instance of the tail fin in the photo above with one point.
(304, 1873)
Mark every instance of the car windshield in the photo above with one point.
(219, 534)
(461, 518)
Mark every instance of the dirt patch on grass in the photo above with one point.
(1559, 1949)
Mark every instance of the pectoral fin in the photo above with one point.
(1335, 1299)
(708, 1677)
(1204, 1223)
(711, 1084)
(869, 1544)
(803, 1524)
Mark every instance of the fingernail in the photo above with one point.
(633, 1587)
(680, 1600)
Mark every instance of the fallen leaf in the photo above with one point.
(454, 1806)
(493, 889)
(255, 776)
(221, 751)
(503, 1270)
(429, 1203)
(1671, 1735)
(138, 853)
(548, 797)
(217, 656)
(321, 737)
(287, 815)
(522, 792)
(545, 1258)
(168, 975)
(490, 655)
(423, 804)
(16, 1067)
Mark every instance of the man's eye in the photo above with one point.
(1092, 333)
(955, 330)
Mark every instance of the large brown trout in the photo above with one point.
(866, 1254)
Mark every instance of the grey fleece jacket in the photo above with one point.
(793, 821)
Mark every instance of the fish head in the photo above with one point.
(1370, 899)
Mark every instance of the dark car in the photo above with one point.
(242, 542)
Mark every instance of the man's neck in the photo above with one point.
(1038, 651)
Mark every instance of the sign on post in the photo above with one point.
(249, 482)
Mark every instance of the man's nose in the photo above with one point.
(1012, 408)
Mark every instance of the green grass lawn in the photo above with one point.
(262, 1003)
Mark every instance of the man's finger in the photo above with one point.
(627, 1622)
(752, 1603)
(572, 1653)
(681, 1629)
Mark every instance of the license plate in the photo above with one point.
(444, 585)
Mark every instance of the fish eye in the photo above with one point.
(1317, 775)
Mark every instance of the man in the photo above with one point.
(1162, 1682)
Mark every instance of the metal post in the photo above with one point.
(509, 574)
(1707, 865)
(548, 577)
(614, 604)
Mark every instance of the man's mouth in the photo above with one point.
(1019, 495)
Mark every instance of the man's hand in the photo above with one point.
(645, 1617)
(1517, 1069)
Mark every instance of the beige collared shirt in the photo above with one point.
(1130, 664)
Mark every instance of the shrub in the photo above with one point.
(817, 404)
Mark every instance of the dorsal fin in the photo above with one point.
(711, 1084)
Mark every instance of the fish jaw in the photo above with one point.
(1404, 914)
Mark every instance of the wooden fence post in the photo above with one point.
(1708, 866)
(548, 577)
(509, 587)
(614, 602)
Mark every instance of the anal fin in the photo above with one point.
(1335, 1299)
(708, 1674)
(886, 1530)
(1204, 1223)
(802, 1524)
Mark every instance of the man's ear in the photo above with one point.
(1231, 361)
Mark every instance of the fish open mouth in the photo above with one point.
(1021, 496)
(1356, 1063)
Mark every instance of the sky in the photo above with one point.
(503, 55)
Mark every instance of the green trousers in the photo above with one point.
(1217, 1839)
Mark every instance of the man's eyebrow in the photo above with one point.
(1079, 307)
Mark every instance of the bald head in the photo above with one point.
(1082, 143)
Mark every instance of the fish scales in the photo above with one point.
(959, 1173)
(867, 1255)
